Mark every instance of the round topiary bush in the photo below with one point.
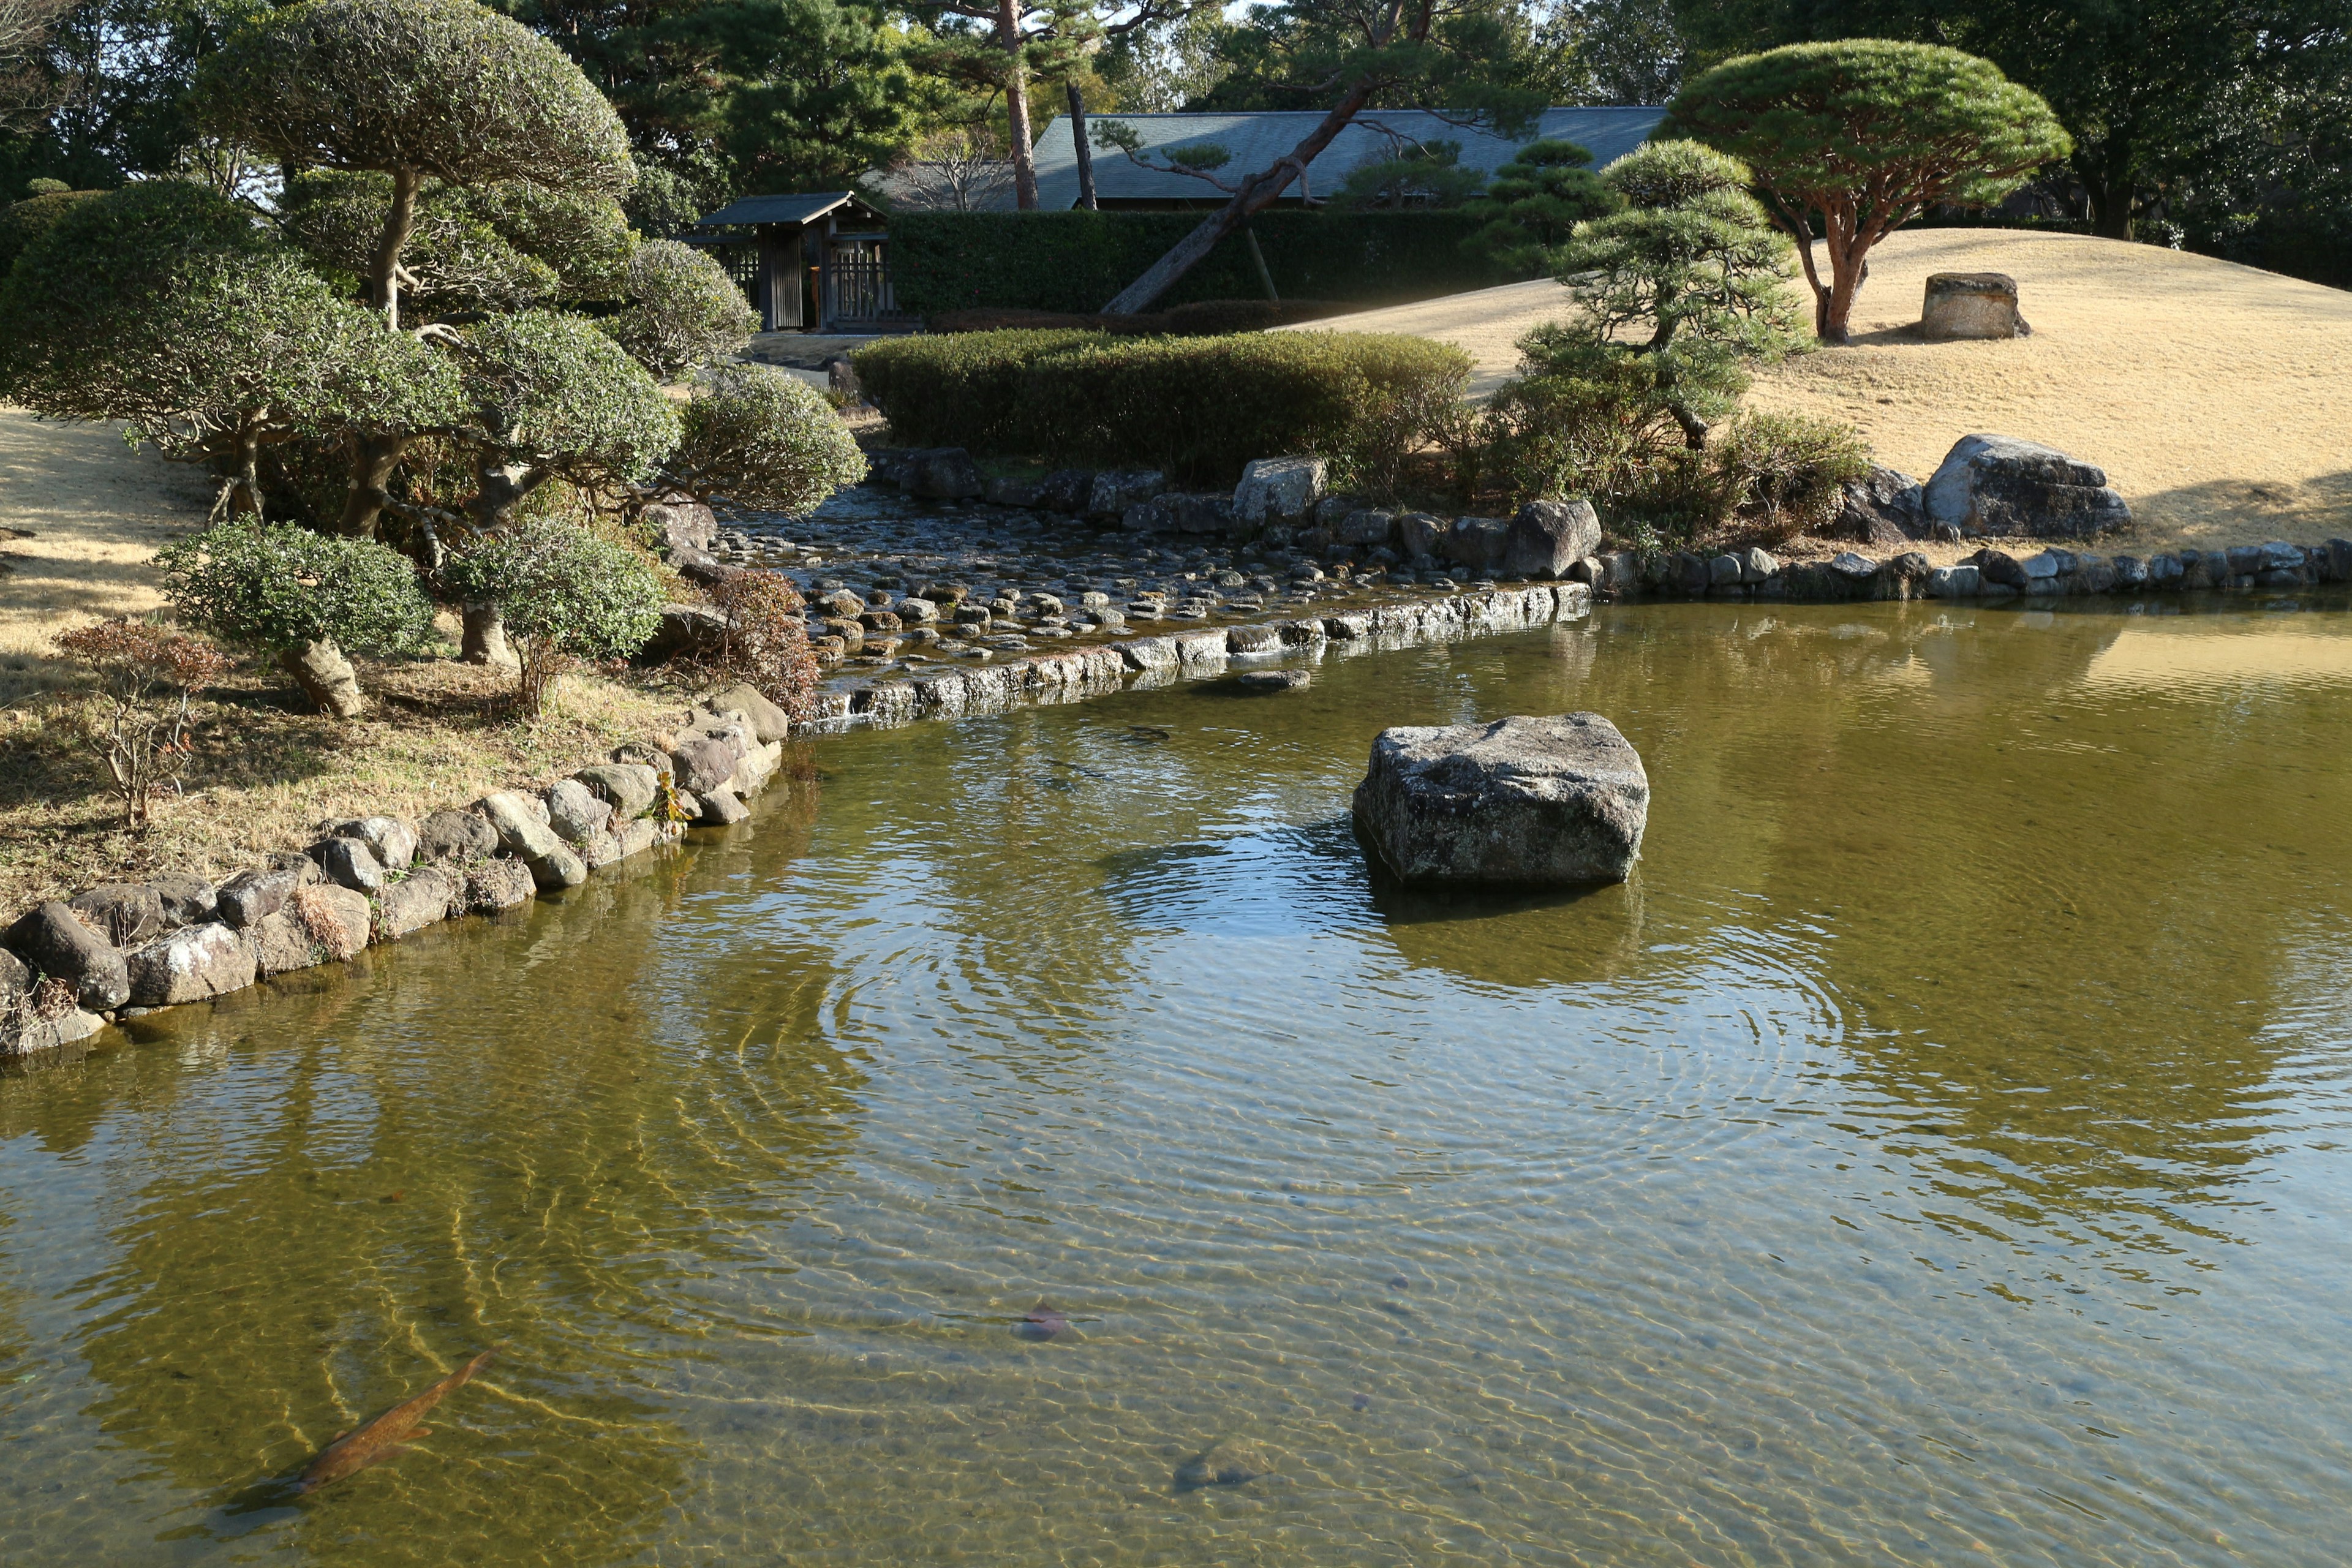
(303, 596)
(763, 439)
(565, 593)
(684, 311)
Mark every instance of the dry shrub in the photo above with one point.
(316, 915)
(767, 642)
(146, 676)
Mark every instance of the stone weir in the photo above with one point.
(1150, 661)
(123, 950)
(1988, 574)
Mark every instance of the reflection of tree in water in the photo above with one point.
(538, 1133)
(2058, 967)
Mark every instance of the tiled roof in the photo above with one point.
(1257, 140)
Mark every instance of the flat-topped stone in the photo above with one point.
(1970, 305)
(1523, 802)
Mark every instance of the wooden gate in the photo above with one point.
(857, 284)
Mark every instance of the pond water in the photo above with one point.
(1936, 1155)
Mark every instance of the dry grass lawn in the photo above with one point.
(266, 773)
(2218, 398)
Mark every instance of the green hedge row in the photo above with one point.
(1077, 261)
(1198, 408)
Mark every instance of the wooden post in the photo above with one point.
(1086, 154)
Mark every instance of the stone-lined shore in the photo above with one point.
(121, 950)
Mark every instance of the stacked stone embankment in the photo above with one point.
(123, 949)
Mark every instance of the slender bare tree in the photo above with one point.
(24, 32)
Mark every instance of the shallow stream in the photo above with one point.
(1936, 1153)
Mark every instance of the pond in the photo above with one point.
(1936, 1153)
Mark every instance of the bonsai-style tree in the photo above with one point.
(416, 91)
(1429, 174)
(565, 593)
(164, 306)
(758, 437)
(507, 246)
(1535, 202)
(684, 311)
(1866, 133)
(551, 398)
(1689, 276)
(303, 597)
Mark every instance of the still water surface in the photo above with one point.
(1936, 1155)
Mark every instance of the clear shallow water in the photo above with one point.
(1934, 1155)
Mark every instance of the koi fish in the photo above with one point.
(382, 1437)
(1041, 1323)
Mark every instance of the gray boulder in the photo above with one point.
(682, 521)
(1547, 537)
(390, 840)
(770, 723)
(1476, 543)
(523, 834)
(349, 863)
(576, 814)
(320, 925)
(630, 787)
(1279, 489)
(685, 631)
(1884, 507)
(1367, 529)
(125, 913)
(2003, 487)
(14, 978)
(460, 836)
(52, 941)
(1419, 534)
(1111, 492)
(251, 897)
(1271, 682)
(422, 898)
(721, 807)
(496, 885)
(1065, 490)
(703, 762)
(191, 965)
(1176, 512)
(942, 473)
(1006, 491)
(1522, 802)
(187, 900)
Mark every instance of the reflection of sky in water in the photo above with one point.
(1933, 1155)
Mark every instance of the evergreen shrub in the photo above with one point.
(1198, 408)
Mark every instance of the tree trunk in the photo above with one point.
(1257, 192)
(325, 676)
(383, 270)
(1086, 154)
(485, 639)
(244, 495)
(374, 459)
(1016, 105)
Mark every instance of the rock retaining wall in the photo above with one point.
(1988, 574)
(120, 950)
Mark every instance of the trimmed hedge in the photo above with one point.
(1076, 261)
(1198, 408)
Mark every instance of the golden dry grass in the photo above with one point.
(2218, 398)
(265, 773)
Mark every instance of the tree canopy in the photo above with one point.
(416, 90)
(1867, 134)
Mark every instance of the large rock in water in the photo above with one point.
(2001, 486)
(1522, 802)
(52, 940)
